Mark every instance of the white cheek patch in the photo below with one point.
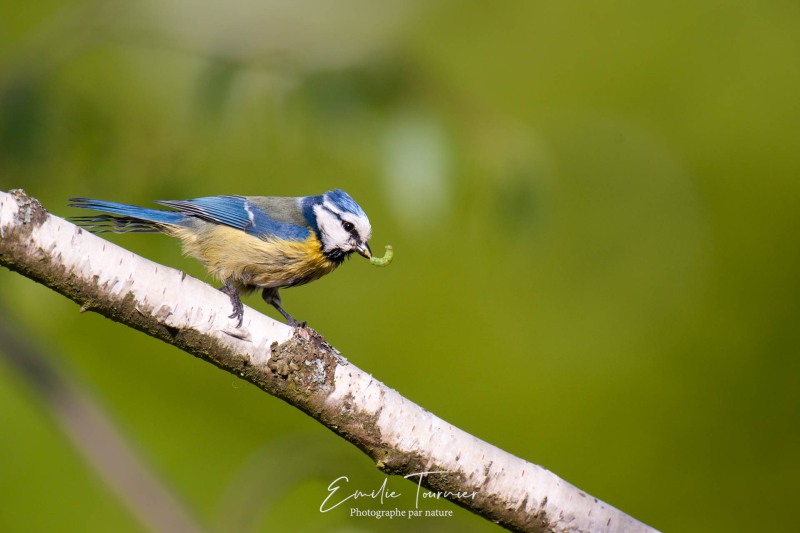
(332, 234)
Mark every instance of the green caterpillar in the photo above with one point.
(385, 260)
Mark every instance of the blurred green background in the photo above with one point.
(594, 209)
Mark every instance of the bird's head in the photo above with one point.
(342, 225)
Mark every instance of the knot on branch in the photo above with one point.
(306, 362)
(31, 213)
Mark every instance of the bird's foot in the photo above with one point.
(294, 323)
(273, 298)
(238, 307)
(290, 320)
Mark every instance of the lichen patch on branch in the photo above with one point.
(30, 211)
(306, 362)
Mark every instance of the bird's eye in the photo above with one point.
(348, 226)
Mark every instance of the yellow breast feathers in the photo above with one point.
(251, 262)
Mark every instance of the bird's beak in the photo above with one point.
(363, 250)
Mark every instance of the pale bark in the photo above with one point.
(299, 367)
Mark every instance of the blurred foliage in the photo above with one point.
(593, 208)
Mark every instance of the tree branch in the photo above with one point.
(299, 367)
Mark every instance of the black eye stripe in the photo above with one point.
(332, 212)
(352, 230)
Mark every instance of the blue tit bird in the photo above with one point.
(250, 242)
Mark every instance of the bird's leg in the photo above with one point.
(272, 297)
(238, 307)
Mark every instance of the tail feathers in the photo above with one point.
(124, 218)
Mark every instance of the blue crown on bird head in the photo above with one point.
(344, 201)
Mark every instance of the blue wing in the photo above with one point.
(238, 212)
